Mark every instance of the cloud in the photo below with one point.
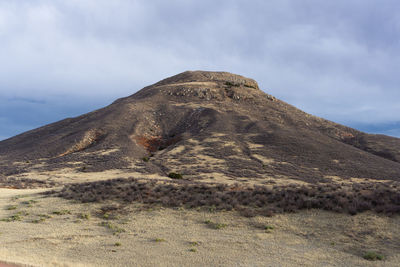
(334, 59)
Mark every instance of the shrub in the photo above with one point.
(219, 225)
(214, 225)
(114, 228)
(84, 216)
(38, 220)
(373, 256)
(232, 84)
(61, 212)
(28, 202)
(175, 175)
(250, 86)
(268, 228)
(249, 201)
(16, 217)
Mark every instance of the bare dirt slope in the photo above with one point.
(204, 125)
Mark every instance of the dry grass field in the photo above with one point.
(38, 230)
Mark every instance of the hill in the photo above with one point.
(212, 126)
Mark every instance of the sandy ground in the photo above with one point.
(58, 232)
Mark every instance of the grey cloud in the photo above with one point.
(336, 59)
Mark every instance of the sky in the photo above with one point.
(334, 59)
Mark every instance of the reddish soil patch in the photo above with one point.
(154, 143)
(151, 143)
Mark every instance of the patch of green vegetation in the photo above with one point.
(16, 217)
(215, 225)
(42, 218)
(268, 228)
(194, 243)
(193, 249)
(373, 256)
(232, 84)
(220, 225)
(109, 216)
(38, 220)
(11, 207)
(117, 244)
(18, 197)
(61, 212)
(114, 228)
(175, 175)
(159, 240)
(250, 86)
(84, 216)
(212, 208)
(145, 159)
(29, 202)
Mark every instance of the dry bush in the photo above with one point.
(249, 201)
(24, 183)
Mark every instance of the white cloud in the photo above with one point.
(337, 60)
